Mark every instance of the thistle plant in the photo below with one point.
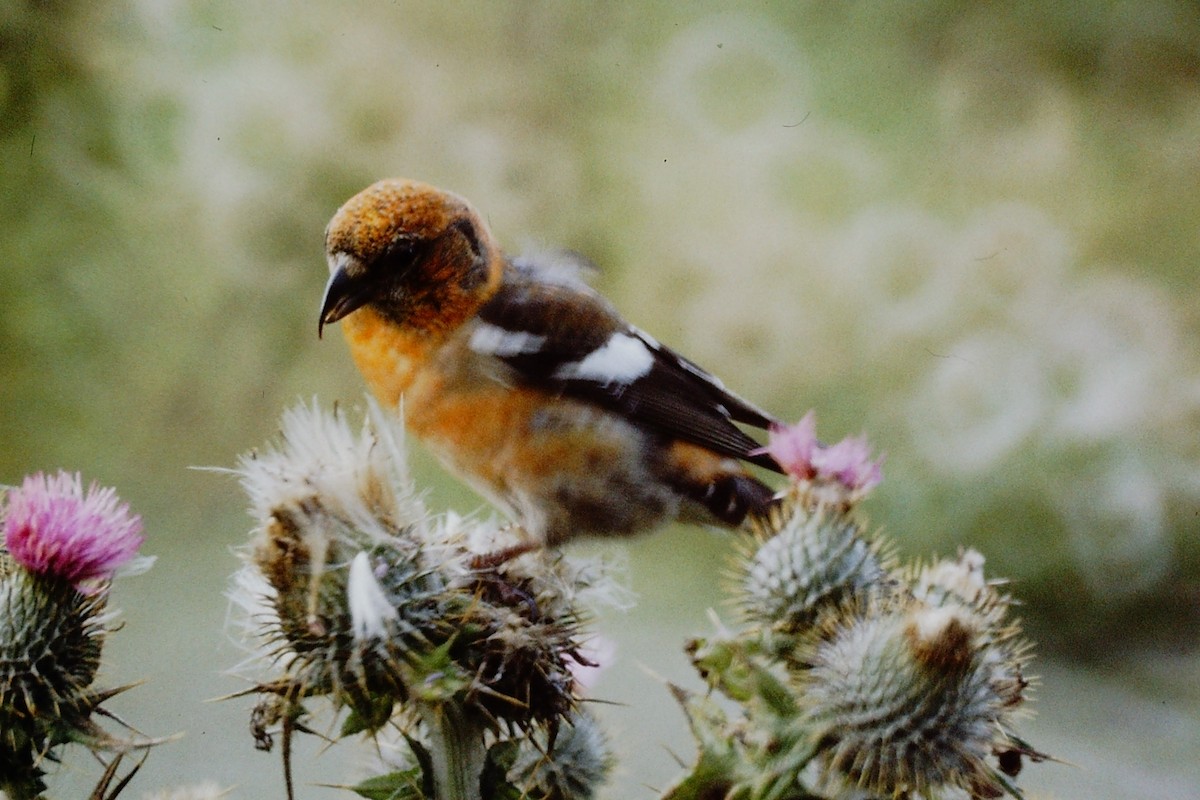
(62, 548)
(408, 624)
(854, 678)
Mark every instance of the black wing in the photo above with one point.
(554, 331)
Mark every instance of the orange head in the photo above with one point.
(420, 257)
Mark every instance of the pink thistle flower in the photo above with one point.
(51, 528)
(802, 456)
(793, 447)
(849, 462)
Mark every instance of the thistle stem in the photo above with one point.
(456, 749)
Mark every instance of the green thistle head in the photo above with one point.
(854, 679)
(61, 548)
(912, 698)
(811, 558)
(571, 764)
(50, 641)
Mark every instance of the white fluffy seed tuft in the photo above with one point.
(370, 610)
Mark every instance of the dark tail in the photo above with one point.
(733, 497)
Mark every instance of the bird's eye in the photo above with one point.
(470, 236)
(399, 254)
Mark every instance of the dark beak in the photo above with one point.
(343, 294)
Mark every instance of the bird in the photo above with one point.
(526, 382)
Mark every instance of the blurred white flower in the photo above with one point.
(1003, 123)
(706, 68)
(894, 268)
(1017, 258)
(1116, 524)
(1113, 354)
(981, 399)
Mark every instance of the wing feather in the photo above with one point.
(563, 336)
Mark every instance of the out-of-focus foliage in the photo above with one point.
(968, 229)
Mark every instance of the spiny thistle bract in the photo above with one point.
(808, 558)
(358, 595)
(855, 680)
(61, 549)
(568, 767)
(907, 698)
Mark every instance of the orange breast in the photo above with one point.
(387, 355)
(494, 432)
(512, 439)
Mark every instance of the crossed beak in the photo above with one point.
(343, 294)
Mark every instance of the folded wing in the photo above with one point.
(553, 331)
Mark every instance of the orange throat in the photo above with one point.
(386, 354)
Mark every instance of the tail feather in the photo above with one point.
(733, 497)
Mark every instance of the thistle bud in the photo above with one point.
(911, 698)
(854, 679)
(61, 549)
(570, 765)
(50, 641)
(811, 558)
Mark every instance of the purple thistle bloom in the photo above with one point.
(51, 528)
(793, 447)
(802, 456)
(849, 462)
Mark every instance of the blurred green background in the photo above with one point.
(968, 229)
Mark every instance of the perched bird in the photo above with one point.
(526, 382)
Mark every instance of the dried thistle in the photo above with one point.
(356, 594)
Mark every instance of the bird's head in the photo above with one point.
(417, 255)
